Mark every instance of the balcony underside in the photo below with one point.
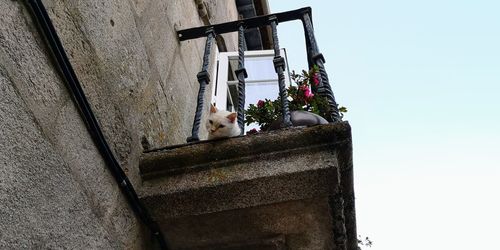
(276, 190)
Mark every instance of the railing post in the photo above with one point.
(336, 200)
(241, 73)
(204, 80)
(314, 56)
(279, 67)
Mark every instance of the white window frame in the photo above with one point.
(221, 71)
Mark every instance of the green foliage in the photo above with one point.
(366, 242)
(343, 109)
(264, 113)
(300, 97)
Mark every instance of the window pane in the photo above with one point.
(256, 92)
(260, 68)
(261, 83)
(259, 91)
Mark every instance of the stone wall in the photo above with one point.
(55, 190)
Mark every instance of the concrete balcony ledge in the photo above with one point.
(206, 154)
(288, 182)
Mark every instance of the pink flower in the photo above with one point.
(308, 94)
(260, 104)
(316, 79)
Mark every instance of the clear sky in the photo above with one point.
(421, 80)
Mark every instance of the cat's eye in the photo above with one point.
(211, 122)
(221, 126)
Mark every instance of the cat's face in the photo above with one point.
(221, 123)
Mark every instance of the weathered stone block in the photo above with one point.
(43, 204)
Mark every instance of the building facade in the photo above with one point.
(286, 190)
(55, 190)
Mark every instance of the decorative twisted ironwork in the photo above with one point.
(279, 67)
(314, 56)
(241, 74)
(204, 80)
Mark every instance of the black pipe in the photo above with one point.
(48, 31)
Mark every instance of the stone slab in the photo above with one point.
(180, 158)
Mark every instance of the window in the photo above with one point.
(262, 81)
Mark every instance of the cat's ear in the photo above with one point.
(213, 109)
(231, 117)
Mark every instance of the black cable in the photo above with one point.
(53, 42)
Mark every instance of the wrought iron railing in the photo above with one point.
(314, 57)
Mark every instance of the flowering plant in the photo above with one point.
(300, 97)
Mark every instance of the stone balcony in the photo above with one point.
(287, 189)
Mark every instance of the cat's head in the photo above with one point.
(221, 123)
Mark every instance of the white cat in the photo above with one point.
(222, 124)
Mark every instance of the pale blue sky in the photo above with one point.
(421, 80)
